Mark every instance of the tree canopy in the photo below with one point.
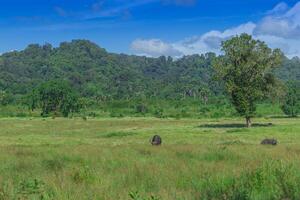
(96, 73)
(54, 97)
(291, 103)
(246, 70)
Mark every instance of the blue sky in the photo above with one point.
(150, 27)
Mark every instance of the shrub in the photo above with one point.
(159, 113)
(92, 114)
(291, 104)
(141, 108)
(5, 98)
(116, 114)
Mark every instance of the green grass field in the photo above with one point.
(109, 158)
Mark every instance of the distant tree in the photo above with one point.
(5, 98)
(246, 69)
(291, 104)
(290, 69)
(204, 94)
(2, 97)
(54, 97)
(32, 100)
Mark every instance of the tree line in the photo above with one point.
(54, 78)
(95, 73)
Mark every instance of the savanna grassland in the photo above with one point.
(110, 158)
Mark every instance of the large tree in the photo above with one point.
(55, 97)
(246, 70)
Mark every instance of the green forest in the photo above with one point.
(96, 73)
(120, 85)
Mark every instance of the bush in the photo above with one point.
(92, 114)
(291, 104)
(5, 98)
(115, 114)
(204, 110)
(159, 113)
(141, 108)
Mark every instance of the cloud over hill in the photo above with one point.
(279, 28)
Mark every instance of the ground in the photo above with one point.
(110, 158)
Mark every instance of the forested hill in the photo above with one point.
(96, 73)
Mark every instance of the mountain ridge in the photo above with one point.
(94, 72)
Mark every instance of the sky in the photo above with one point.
(150, 27)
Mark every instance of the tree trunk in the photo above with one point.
(248, 122)
(205, 100)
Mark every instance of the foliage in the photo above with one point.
(99, 75)
(141, 108)
(246, 68)
(289, 70)
(54, 97)
(291, 104)
(5, 98)
(216, 107)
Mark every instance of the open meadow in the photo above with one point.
(150, 100)
(111, 158)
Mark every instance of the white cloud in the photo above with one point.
(278, 9)
(286, 25)
(290, 47)
(100, 11)
(154, 47)
(211, 41)
(280, 28)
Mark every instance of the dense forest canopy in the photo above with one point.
(94, 72)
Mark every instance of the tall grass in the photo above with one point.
(112, 158)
